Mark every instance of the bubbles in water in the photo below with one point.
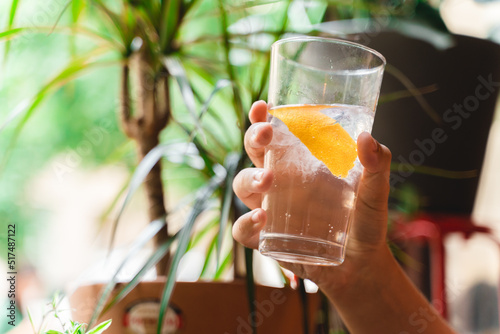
(349, 198)
(339, 237)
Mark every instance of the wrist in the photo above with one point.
(359, 271)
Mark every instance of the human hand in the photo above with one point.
(367, 235)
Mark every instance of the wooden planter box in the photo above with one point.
(200, 308)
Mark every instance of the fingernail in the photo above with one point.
(256, 216)
(258, 176)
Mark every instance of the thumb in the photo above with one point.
(370, 226)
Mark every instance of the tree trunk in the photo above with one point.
(153, 187)
(152, 113)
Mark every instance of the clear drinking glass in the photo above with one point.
(309, 208)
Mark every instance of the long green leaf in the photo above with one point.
(204, 108)
(438, 172)
(12, 14)
(11, 33)
(60, 15)
(146, 22)
(212, 156)
(263, 81)
(250, 284)
(258, 95)
(18, 110)
(74, 68)
(304, 305)
(238, 8)
(31, 320)
(232, 161)
(170, 15)
(77, 328)
(401, 94)
(325, 312)
(151, 9)
(206, 76)
(176, 69)
(97, 36)
(202, 233)
(140, 174)
(69, 73)
(188, 6)
(207, 156)
(208, 256)
(157, 255)
(390, 69)
(198, 207)
(224, 265)
(107, 212)
(225, 144)
(238, 104)
(100, 328)
(118, 25)
(10, 24)
(76, 10)
(149, 232)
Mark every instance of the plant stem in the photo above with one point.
(152, 116)
(153, 186)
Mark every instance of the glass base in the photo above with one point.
(301, 249)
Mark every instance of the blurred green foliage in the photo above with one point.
(76, 127)
(63, 125)
(63, 70)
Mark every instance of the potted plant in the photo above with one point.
(193, 68)
(175, 68)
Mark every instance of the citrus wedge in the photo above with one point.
(322, 135)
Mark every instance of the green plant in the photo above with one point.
(187, 72)
(72, 327)
(77, 328)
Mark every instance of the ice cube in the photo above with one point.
(354, 119)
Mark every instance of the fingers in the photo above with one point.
(371, 207)
(250, 184)
(259, 134)
(257, 137)
(376, 159)
(258, 112)
(247, 228)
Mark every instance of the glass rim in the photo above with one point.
(306, 38)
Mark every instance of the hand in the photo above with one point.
(367, 235)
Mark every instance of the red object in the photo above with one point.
(433, 229)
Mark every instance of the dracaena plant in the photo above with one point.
(177, 69)
(172, 55)
(188, 72)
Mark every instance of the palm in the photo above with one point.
(361, 244)
(370, 216)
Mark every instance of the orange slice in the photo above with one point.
(323, 136)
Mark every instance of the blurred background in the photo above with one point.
(65, 163)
